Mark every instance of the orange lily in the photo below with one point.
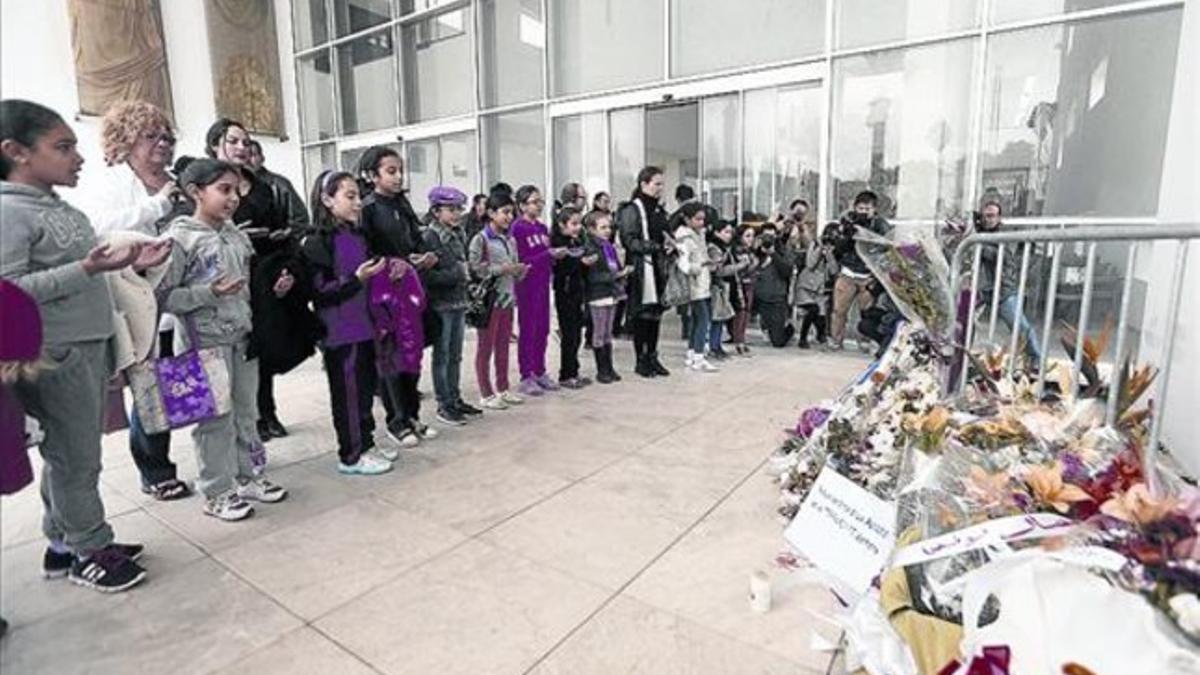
(1138, 506)
(1048, 487)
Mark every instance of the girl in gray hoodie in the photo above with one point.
(206, 289)
(48, 249)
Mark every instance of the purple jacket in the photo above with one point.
(533, 249)
(396, 311)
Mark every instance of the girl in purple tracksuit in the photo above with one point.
(397, 303)
(341, 270)
(533, 291)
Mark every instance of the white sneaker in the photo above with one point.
(229, 507)
(261, 490)
(702, 365)
(386, 453)
(493, 402)
(689, 359)
(367, 465)
(511, 398)
(426, 432)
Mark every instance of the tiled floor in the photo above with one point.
(611, 530)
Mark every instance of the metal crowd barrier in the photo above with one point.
(1089, 235)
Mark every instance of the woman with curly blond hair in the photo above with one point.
(132, 196)
(133, 191)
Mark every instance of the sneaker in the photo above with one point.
(407, 438)
(228, 507)
(546, 383)
(386, 453)
(107, 570)
(689, 359)
(529, 387)
(367, 465)
(570, 383)
(57, 565)
(261, 490)
(426, 432)
(467, 409)
(702, 365)
(510, 398)
(583, 381)
(493, 402)
(451, 416)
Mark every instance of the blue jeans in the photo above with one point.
(1008, 314)
(447, 357)
(700, 311)
(714, 336)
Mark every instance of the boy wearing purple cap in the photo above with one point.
(533, 291)
(446, 286)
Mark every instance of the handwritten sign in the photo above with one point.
(844, 530)
(993, 533)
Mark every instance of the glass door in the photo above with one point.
(673, 145)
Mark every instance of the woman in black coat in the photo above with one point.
(642, 226)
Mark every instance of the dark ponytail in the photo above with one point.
(24, 122)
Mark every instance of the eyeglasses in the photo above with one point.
(163, 137)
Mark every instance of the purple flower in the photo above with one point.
(910, 251)
(811, 420)
(1073, 469)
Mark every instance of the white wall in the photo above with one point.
(36, 63)
(1178, 202)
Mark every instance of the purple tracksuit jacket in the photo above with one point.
(396, 311)
(533, 296)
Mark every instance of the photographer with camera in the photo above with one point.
(771, 287)
(1008, 275)
(853, 275)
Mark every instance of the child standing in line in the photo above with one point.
(725, 279)
(48, 248)
(605, 288)
(743, 254)
(533, 291)
(446, 288)
(693, 261)
(492, 254)
(341, 267)
(569, 293)
(206, 289)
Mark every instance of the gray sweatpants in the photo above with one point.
(223, 444)
(67, 398)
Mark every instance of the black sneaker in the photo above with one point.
(467, 409)
(451, 416)
(57, 565)
(107, 571)
(264, 431)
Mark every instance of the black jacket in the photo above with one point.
(446, 282)
(601, 281)
(391, 226)
(774, 279)
(285, 331)
(843, 247)
(287, 201)
(569, 272)
(639, 248)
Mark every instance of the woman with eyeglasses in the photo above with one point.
(285, 331)
(131, 197)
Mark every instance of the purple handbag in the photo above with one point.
(178, 391)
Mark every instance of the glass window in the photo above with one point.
(437, 71)
(316, 159)
(749, 30)
(315, 75)
(579, 152)
(871, 22)
(1019, 10)
(603, 44)
(410, 6)
(782, 148)
(310, 23)
(351, 16)
(348, 159)
(420, 171)
(512, 49)
(458, 166)
(720, 130)
(515, 148)
(367, 79)
(901, 122)
(1076, 116)
(673, 144)
(627, 151)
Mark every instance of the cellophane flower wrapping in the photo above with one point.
(911, 266)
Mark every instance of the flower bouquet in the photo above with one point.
(914, 271)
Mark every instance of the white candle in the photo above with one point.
(760, 592)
